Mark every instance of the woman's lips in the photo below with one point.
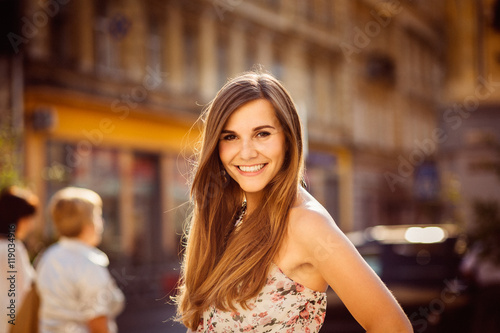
(251, 168)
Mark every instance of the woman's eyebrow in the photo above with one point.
(258, 128)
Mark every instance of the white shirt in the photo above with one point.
(17, 270)
(75, 286)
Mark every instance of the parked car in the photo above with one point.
(420, 265)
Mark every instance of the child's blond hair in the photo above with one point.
(72, 208)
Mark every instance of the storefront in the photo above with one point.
(133, 158)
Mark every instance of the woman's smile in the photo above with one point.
(251, 169)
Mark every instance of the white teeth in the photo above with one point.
(253, 168)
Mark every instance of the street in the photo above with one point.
(148, 315)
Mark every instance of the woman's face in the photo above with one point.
(252, 145)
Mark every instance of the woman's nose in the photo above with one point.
(248, 150)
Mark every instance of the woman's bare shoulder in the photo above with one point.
(308, 216)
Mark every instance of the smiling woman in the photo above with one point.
(255, 257)
(252, 148)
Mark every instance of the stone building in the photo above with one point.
(393, 59)
(110, 90)
(470, 110)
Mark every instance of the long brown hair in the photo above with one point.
(223, 266)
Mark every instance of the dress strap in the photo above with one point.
(243, 212)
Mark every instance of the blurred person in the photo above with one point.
(18, 208)
(76, 289)
(261, 251)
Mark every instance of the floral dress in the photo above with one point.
(283, 305)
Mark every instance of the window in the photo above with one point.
(154, 44)
(62, 42)
(108, 32)
(100, 170)
(94, 168)
(146, 210)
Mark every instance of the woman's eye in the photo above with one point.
(229, 137)
(263, 134)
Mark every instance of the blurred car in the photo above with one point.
(420, 265)
(412, 254)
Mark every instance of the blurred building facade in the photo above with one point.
(110, 89)
(470, 111)
(11, 107)
(394, 61)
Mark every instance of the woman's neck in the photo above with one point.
(253, 200)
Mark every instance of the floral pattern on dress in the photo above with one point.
(283, 305)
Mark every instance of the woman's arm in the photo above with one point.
(338, 262)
